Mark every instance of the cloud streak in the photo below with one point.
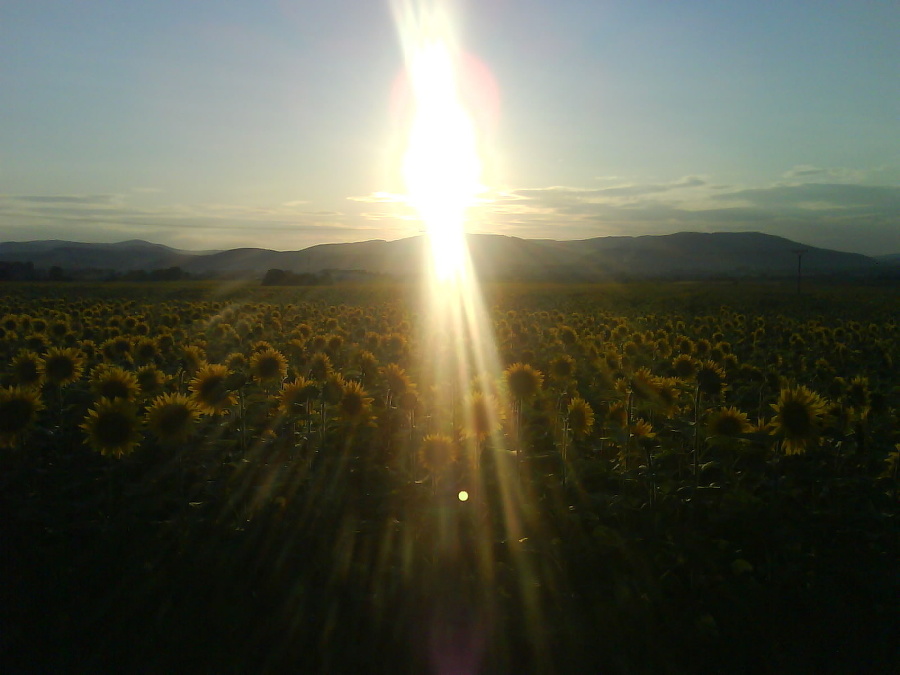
(842, 214)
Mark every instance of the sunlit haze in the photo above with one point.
(276, 124)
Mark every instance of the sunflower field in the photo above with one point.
(678, 478)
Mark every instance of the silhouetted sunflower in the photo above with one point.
(268, 366)
(684, 366)
(562, 367)
(209, 391)
(523, 381)
(320, 367)
(113, 382)
(396, 379)
(333, 388)
(171, 417)
(355, 406)
(112, 427)
(26, 368)
(437, 452)
(580, 417)
(728, 423)
(150, 379)
(798, 416)
(19, 407)
(710, 378)
(62, 366)
(483, 417)
(296, 395)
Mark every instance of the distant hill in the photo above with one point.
(684, 255)
(123, 256)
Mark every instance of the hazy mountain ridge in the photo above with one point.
(679, 255)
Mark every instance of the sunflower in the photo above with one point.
(113, 382)
(112, 427)
(36, 343)
(710, 378)
(396, 379)
(684, 366)
(145, 350)
(562, 367)
(269, 366)
(354, 405)
(483, 416)
(19, 407)
(437, 452)
(208, 387)
(333, 388)
(618, 414)
(296, 395)
(27, 368)
(580, 417)
(62, 366)
(320, 367)
(150, 379)
(366, 362)
(643, 432)
(523, 381)
(237, 361)
(798, 416)
(728, 423)
(193, 359)
(171, 417)
(644, 385)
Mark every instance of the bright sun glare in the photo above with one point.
(441, 166)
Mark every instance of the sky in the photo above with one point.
(282, 124)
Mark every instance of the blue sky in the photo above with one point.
(272, 123)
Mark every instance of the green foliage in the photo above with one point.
(624, 515)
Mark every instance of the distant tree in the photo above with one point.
(274, 277)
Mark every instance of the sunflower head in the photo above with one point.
(710, 378)
(209, 390)
(483, 416)
(562, 367)
(333, 388)
(268, 366)
(150, 379)
(146, 350)
(395, 378)
(320, 366)
(113, 382)
(523, 381)
(296, 396)
(355, 406)
(618, 414)
(171, 417)
(62, 366)
(19, 407)
(798, 418)
(684, 366)
(27, 368)
(112, 427)
(728, 423)
(437, 452)
(580, 417)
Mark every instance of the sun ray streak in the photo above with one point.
(442, 172)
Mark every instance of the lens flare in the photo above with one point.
(442, 171)
(441, 166)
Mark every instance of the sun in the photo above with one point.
(441, 166)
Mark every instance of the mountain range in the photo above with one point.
(684, 255)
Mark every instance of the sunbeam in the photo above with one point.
(442, 170)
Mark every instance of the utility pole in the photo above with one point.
(799, 253)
